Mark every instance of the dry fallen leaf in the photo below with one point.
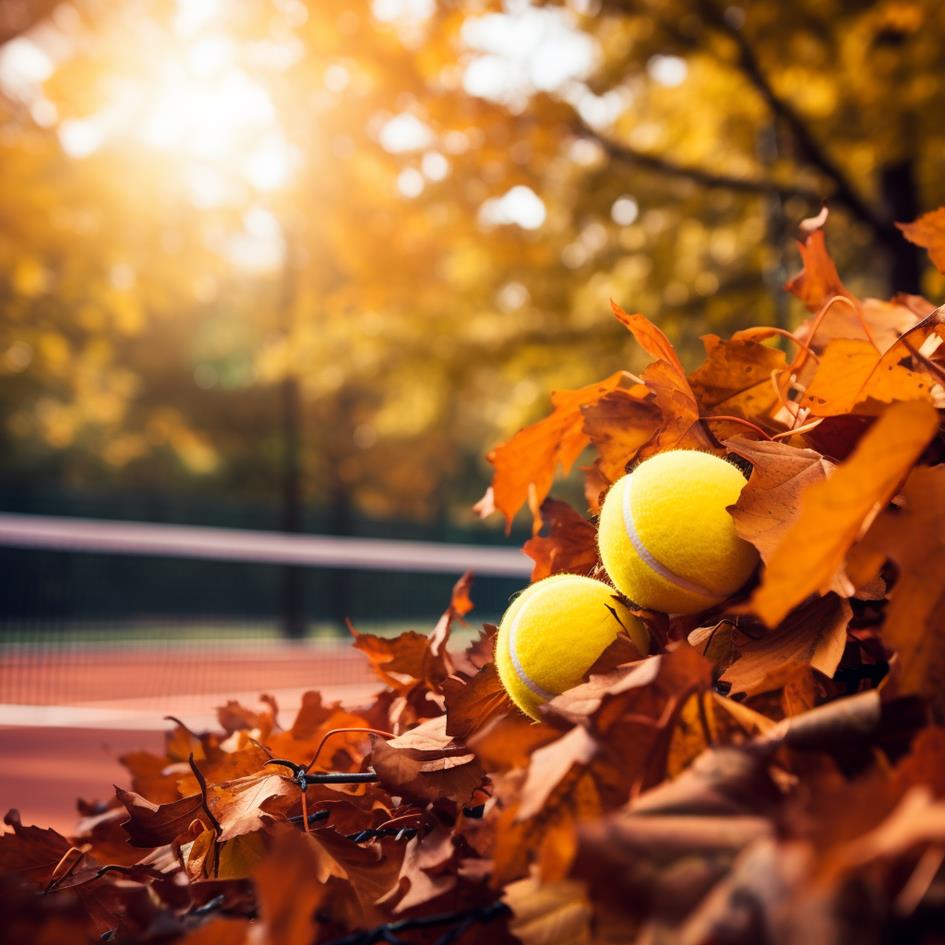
(814, 635)
(769, 505)
(810, 556)
(805, 807)
(818, 282)
(555, 913)
(913, 536)
(525, 466)
(570, 545)
(929, 232)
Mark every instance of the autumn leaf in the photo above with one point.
(234, 717)
(509, 741)
(238, 804)
(835, 512)
(30, 852)
(671, 392)
(652, 340)
(556, 913)
(426, 869)
(736, 378)
(818, 281)
(682, 427)
(569, 545)
(928, 232)
(852, 371)
(814, 635)
(550, 764)
(769, 505)
(150, 777)
(472, 704)
(151, 825)
(287, 895)
(619, 425)
(426, 763)
(911, 535)
(225, 766)
(525, 466)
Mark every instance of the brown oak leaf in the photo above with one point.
(569, 545)
(814, 635)
(736, 377)
(425, 763)
(769, 505)
(835, 512)
(913, 536)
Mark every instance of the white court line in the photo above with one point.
(143, 715)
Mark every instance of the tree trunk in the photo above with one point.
(901, 203)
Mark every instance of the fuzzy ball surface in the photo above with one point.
(552, 634)
(666, 537)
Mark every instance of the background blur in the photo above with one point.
(281, 266)
(295, 266)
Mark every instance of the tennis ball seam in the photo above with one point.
(653, 563)
(512, 638)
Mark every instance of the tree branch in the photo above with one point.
(810, 148)
(697, 175)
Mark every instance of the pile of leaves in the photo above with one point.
(774, 772)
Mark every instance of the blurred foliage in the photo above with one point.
(412, 211)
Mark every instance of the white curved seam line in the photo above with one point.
(684, 584)
(537, 690)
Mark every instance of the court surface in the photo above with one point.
(67, 714)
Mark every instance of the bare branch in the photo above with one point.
(697, 175)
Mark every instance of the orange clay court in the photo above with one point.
(66, 715)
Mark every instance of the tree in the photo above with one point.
(666, 169)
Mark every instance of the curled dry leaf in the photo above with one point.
(425, 764)
(818, 282)
(913, 536)
(525, 466)
(814, 636)
(569, 545)
(810, 556)
(928, 232)
(770, 504)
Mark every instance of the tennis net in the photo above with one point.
(107, 619)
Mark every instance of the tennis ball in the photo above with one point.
(553, 633)
(665, 536)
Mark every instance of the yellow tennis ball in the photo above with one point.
(553, 633)
(666, 538)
